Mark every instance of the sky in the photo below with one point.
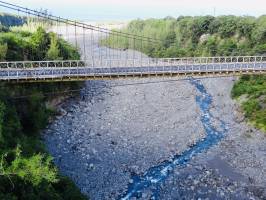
(98, 10)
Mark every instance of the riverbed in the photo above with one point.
(123, 129)
(158, 138)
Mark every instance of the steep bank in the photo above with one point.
(250, 92)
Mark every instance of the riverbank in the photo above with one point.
(250, 92)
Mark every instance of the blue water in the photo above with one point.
(154, 176)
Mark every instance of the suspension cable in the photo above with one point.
(71, 22)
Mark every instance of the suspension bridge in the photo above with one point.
(101, 61)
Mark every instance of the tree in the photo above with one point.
(259, 33)
(245, 26)
(3, 28)
(225, 26)
(197, 36)
(200, 26)
(34, 170)
(227, 47)
(3, 52)
(2, 110)
(169, 38)
(53, 52)
(40, 43)
(209, 47)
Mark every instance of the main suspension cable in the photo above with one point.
(71, 22)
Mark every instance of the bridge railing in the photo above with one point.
(42, 64)
(125, 63)
(211, 60)
(132, 62)
(107, 68)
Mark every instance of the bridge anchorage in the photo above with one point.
(103, 57)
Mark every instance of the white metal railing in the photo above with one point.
(152, 62)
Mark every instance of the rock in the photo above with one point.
(91, 166)
(195, 182)
(94, 151)
(239, 117)
(200, 168)
(144, 195)
(62, 112)
(189, 177)
(113, 142)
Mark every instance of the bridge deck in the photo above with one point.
(57, 70)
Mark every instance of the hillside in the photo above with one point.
(11, 20)
(197, 36)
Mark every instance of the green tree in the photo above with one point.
(34, 170)
(39, 44)
(53, 52)
(227, 47)
(225, 26)
(246, 26)
(2, 110)
(16, 46)
(259, 33)
(3, 52)
(196, 36)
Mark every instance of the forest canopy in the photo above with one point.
(196, 36)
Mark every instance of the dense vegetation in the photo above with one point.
(196, 36)
(26, 169)
(251, 91)
(21, 45)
